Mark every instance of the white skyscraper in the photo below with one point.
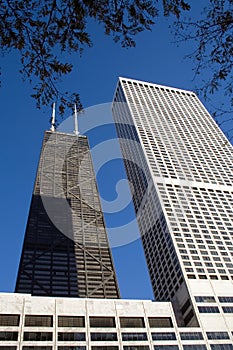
(180, 168)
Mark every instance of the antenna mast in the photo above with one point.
(53, 119)
(75, 121)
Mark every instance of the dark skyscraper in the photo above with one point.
(66, 250)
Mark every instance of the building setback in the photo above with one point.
(66, 250)
(180, 166)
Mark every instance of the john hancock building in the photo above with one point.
(179, 166)
(66, 250)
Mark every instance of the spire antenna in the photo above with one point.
(75, 121)
(53, 119)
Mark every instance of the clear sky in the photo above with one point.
(155, 59)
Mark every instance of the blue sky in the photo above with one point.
(155, 59)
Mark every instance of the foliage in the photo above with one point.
(41, 30)
(212, 34)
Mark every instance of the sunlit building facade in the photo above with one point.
(49, 323)
(180, 168)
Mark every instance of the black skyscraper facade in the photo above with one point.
(66, 250)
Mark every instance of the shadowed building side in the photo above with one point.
(66, 250)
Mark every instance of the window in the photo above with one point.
(166, 347)
(9, 347)
(191, 335)
(134, 336)
(104, 347)
(164, 336)
(9, 320)
(217, 335)
(208, 309)
(71, 336)
(228, 309)
(221, 347)
(191, 276)
(37, 347)
(71, 321)
(37, 336)
(189, 316)
(103, 336)
(136, 347)
(132, 322)
(205, 299)
(194, 347)
(38, 321)
(185, 306)
(160, 322)
(72, 347)
(213, 277)
(102, 322)
(225, 299)
(6, 336)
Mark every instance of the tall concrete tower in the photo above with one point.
(180, 167)
(66, 250)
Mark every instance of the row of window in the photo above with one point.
(126, 347)
(204, 277)
(215, 309)
(211, 299)
(110, 336)
(79, 321)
